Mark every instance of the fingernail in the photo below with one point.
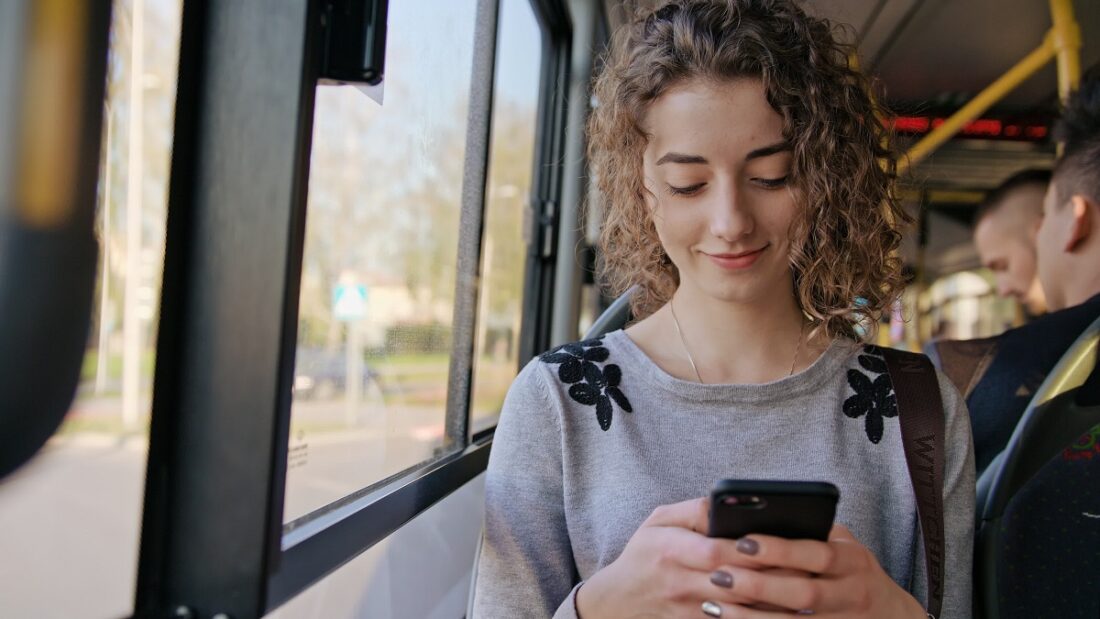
(722, 579)
(747, 546)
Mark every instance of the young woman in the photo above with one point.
(748, 197)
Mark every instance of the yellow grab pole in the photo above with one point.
(1067, 44)
(985, 99)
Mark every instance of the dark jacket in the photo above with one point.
(999, 375)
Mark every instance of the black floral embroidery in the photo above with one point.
(874, 399)
(589, 384)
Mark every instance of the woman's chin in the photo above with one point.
(744, 289)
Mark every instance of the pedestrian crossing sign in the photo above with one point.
(349, 302)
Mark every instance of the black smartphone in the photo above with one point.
(788, 509)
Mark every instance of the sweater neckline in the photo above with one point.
(827, 367)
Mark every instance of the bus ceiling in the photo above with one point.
(979, 69)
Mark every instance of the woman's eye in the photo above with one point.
(685, 191)
(771, 183)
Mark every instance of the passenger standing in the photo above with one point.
(749, 197)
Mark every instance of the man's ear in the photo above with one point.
(1084, 220)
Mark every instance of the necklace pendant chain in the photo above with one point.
(683, 342)
(797, 349)
(691, 360)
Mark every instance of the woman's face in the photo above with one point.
(716, 169)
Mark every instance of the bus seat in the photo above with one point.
(1070, 371)
(985, 483)
(614, 317)
(964, 362)
(1040, 555)
(1038, 540)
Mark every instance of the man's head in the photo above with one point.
(1068, 241)
(1004, 233)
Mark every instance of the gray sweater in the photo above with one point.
(593, 436)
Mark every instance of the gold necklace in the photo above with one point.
(691, 360)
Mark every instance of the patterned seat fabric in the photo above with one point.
(1050, 538)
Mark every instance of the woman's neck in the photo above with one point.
(740, 343)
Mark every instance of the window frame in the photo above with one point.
(212, 538)
(556, 30)
(538, 303)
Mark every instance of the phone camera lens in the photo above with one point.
(745, 501)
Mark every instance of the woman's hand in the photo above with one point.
(849, 581)
(667, 569)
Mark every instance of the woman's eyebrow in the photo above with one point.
(763, 151)
(772, 149)
(681, 158)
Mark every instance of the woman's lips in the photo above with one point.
(736, 262)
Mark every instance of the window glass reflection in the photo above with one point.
(378, 274)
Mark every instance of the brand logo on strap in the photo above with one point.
(910, 364)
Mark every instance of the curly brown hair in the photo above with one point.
(845, 237)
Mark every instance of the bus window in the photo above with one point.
(378, 273)
(73, 514)
(963, 306)
(504, 244)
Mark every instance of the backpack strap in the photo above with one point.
(920, 411)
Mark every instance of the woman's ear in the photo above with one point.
(1084, 220)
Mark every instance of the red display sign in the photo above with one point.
(989, 128)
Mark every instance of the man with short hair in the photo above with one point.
(999, 375)
(1068, 240)
(1004, 234)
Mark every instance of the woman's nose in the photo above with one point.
(730, 220)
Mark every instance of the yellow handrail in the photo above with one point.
(979, 104)
(1062, 42)
(1067, 42)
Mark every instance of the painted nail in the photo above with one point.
(711, 609)
(747, 546)
(722, 579)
